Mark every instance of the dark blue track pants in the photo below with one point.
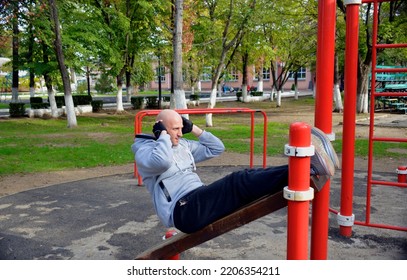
(207, 204)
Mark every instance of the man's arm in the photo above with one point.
(207, 147)
(196, 131)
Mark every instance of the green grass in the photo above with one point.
(3, 105)
(36, 145)
(33, 145)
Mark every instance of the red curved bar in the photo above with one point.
(138, 120)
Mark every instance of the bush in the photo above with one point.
(256, 93)
(35, 99)
(60, 100)
(97, 105)
(77, 100)
(39, 105)
(16, 110)
(166, 98)
(59, 104)
(81, 100)
(194, 97)
(137, 102)
(152, 102)
(82, 88)
(105, 84)
(239, 95)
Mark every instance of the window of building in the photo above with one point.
(301, 74)
(233, 74)
(160, 71)
(265, 73)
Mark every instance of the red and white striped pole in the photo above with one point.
(298, 193)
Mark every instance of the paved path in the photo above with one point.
(112, 218)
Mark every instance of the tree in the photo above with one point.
(223, 24)
(127, 26)
(16, 31)
(392, 24)
(70, 111)
(290, 30)
(179, 93)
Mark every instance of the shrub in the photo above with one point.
(82, 88)
(60, 100)
(137, 102)
(194, 97)
(152, 102)
(105, 84)
(239, 95)
(60, 104)
(256, 93)
(39, 105)
(77, 100)
(81, 99)
(97, 105)
(16, 110)
(35, 99)
(166, 98)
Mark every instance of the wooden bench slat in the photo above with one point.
(182, 241)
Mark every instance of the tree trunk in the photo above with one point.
(245, 59)
(296, 85)
(15, 78)
(119, 96)
(337, 98)
(260, 78)
(48, 83)
(70, 110)
(179, 93)
(51, 96)
(212, 102)
(129, 86)
(336, 91)
(363, 89)
(278, 98)
(30, 54)
(32, 84)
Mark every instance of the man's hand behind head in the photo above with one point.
(158, 128)
(187, 125)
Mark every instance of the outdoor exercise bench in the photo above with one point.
(182, 241)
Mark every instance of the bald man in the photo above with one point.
(166, 162)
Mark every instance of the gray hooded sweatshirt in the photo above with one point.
(158, 161)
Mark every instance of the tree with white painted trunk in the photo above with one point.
(179, 101)
(70, 111)
(230, 18)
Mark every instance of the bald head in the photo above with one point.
(173, 124)
(168, 115)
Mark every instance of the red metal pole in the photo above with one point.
(168, 234)
(402, 174)
(298, 193)
(346, 217)
(323, 119)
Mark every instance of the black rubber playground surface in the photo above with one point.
(112, 218)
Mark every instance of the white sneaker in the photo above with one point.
(324, 161)
(316, 132)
